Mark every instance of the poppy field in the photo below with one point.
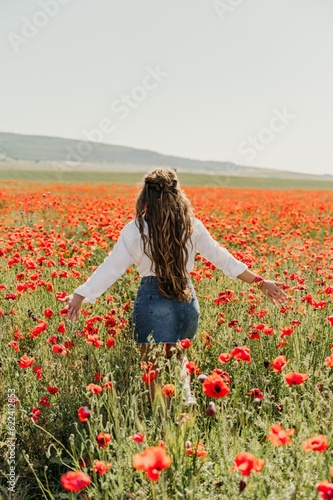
(76, 417)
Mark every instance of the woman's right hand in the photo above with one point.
(73, 302)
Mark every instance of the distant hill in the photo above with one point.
(40, 151)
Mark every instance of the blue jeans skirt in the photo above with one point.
(166, 320)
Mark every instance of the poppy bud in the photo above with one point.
(266, 363)
(242, 485)
(202, 377)
(211, 409)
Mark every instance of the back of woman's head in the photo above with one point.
(167, 212)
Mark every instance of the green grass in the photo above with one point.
(185, 179)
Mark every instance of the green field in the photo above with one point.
(186, 179)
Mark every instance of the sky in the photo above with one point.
(247, 81)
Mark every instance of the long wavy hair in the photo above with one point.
(164, 206)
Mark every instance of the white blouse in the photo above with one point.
(128, 250)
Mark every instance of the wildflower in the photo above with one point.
(61, 327)
(224, 357)
(185, 343)
(138, 437)
(169, 390)
(279, 363)
(107, 385)
(215, 387)
(26, 362)
(44, 402)
(316, 443)
(256, 393)
(59, 349)
(48, 313)
(246, 463)
(95, 389)
(192, 368)
(83, 413)
(329, 361)
(241, 354)
(38, 370)
(325, 489)
(211, 409)
(296, 378)
(152, 461)
(101, 467)
(14, 345)
(110, 342)
(34, 414)
(279, 436)
(52, 390)
(103, 439)
(197, 450)
(75, 480)
(149, 376)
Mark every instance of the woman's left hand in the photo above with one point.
(273, 291)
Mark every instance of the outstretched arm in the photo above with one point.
(224, 260)
(113, 267)
(270, 288)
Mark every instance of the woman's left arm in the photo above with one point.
(107, 273)
(270, 288)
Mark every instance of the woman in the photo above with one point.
(162, 241)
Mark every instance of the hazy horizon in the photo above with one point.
(232, 80)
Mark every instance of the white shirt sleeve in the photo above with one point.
(113, 267)
(218, 255)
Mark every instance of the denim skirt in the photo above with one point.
(163, 320)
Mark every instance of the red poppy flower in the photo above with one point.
(192, 367)
(101, 467)
(224, 357)
(185, 343)
(325, 489)
(316, 443)
(44, 402)
(138, 437)
(256, 393)
(38, 370)
(48, 313)
(103, 439)
(279, 436)
(62, 327)
(108, 385)
(53, 339)
(14, 345)
(197, 450)
(52, 390)
(329, 361)
(59, 349)
(149, 376)
(296, 378)
(152, 461)
(246, 463)
(169, 390)
(330, 319)
(241, 354)
(26, 362)
(110, 342)
(95, 389)
(34, 414)
(215, 387)
(75, 480)
(278, 363)
(83, 413)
